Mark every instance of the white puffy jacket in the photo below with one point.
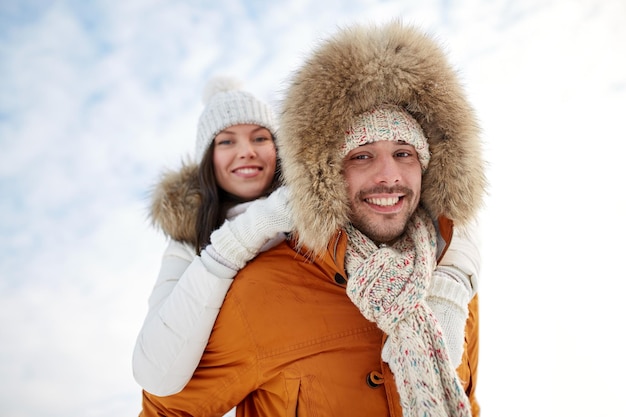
(182, 310)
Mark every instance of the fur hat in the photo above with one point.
(387, 122)
(227, 105)
(358, 69)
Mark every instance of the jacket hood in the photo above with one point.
(175, 202)
(357, 69)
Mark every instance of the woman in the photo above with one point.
(235, 164)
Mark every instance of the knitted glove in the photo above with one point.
(240, 239)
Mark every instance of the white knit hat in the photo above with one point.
(387, 122)
(227, 105)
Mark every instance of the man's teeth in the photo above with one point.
(388, 201)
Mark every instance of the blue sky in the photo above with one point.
(96, 98)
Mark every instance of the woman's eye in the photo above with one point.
(261, 139)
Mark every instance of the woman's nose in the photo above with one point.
(246, 150)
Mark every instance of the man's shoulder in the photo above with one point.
(273, 266)
(283, 269)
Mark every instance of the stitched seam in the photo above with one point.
(318, 341)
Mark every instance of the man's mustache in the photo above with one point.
(383, 189)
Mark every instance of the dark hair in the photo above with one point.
(215, 202)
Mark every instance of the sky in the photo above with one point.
(98, 97)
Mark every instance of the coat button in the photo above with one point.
(339, 279)
(374, 379)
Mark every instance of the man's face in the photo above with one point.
(384, 180)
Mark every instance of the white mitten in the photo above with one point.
(240, 239)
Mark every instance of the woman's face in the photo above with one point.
(244, 159)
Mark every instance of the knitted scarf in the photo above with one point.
(388, 284)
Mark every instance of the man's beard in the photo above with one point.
(384, 228)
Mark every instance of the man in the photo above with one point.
(381, 156)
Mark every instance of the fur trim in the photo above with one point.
(175, 203)
(357, 69)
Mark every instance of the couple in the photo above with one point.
(350, 290)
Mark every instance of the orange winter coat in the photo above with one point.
(289, 342)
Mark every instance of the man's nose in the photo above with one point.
(386, 170)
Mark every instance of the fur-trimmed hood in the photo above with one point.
(175, 201)
(355, 70)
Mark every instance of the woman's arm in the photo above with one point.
(190, 290)
(454, 283)
(182, 309)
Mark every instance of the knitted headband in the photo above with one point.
(226, 105)
(387, 122)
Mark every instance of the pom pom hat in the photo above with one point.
(227, 105)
